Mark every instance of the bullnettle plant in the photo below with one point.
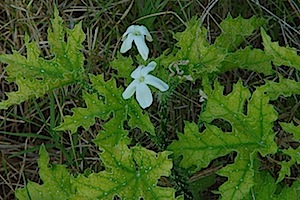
(132, 172)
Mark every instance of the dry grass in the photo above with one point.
(104, 22)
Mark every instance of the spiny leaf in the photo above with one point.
(291, 193)
(130, 174)
(193, 46)
(123, 65)
(293, 153)
(250, 59)
(84, 116)
(57, 182)
(285, 87)
(265, 188)
(240, 176)
(285, 166)
(251, 132)
(291, 128)
(112, 103)
(281, 55)
(35, 75)
(113, 132)
(235, 31)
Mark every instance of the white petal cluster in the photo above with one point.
(136, 34)
(139, 85)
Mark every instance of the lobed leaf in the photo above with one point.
(291, 128)
(192, 46)
(249, 59)
(111, 103)
(281, 55)
(130, 174)
(252, 131)
(123, 65)
(35, 75)
(284, 87)
(292, 153)
(235, 31)
(265, 188)
(57, 182)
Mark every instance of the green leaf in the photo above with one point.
(291, 128)
(265, 188)
(111, 102)
(130, 174)
(285, 87)
(57, 182)
(291, 193)
(252, 131)
(281, 55)
(249, 59)
(192, 46)
(235, 31)
(123, 65)
(84, 117)
(285, 166)
(293, 153)
(35, 75)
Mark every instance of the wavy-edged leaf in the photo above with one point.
(35, 75)
(265, 188)
(84, 117)
(286, 166)
(193, 46)
(281, 55)
(249, 59)
(235, 31)
(130, 174)
(293, 153)
(285, 87)
(111, 103)
(57, 182)
(123, 65)
(252, 131)
(291, 128)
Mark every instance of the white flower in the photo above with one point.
(140, 82)
(137, 34)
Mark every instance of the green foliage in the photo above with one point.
(111, 102)
(235, 31)
(133, 173)
(193, 46)
(293, 153)
(250, 59)
(130, 174)
(205, 58)
(123, 65)
(281, 55)
(265, 188)
(35, 75)
(57, 182)
(251, 132)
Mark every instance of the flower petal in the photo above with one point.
(130, 29)
(143, 95)
(141, 46)
(143, 30)
(129, 91)
(156, 82)
(127, 43)
(150, 67)
(137, 72)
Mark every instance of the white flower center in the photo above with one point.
(142, 79)
(136, 32)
